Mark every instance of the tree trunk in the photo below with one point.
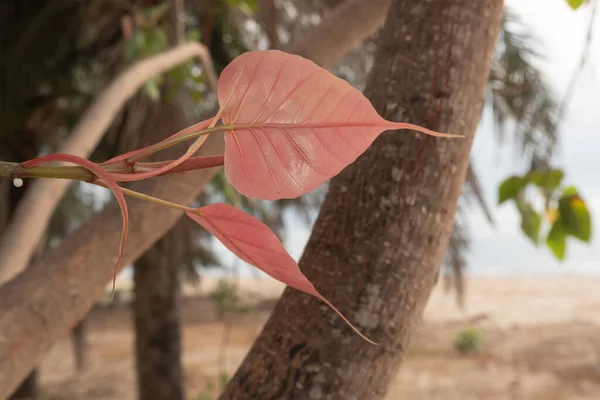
(377, 246)
(156, 309)
(156, 304)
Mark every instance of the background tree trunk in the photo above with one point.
(156, 274)
(157, 329)
(377, 246)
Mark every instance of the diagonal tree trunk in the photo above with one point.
(377, 246)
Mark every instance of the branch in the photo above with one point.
(562, 108)
(344, 29)
(272, 24)
(178, 23)
(49, 298)
(35, 209)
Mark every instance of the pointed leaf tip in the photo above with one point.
(293, 125)
(253, 242)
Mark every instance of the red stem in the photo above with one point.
(190, 164)
(124, 157)
(105, 176)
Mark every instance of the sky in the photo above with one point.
(504, 250)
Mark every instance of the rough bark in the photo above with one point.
(376, 248)
(40, 304)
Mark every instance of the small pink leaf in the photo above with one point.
(253, 242)
(107, 180)
(168, 166)
(293, 124)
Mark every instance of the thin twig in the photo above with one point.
(562, 108)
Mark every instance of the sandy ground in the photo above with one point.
(541, 341)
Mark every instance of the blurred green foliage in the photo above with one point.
(227, 300)
(564, 212)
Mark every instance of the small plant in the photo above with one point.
(224, 380)
(289, 126)
(227, 300)
(468, 341)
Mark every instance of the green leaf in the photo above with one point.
(575, 217)
(510, 188)
(570, 191)
(575, 4)
(557, 240)
(546, 179)
(531, 223)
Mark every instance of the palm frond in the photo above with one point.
(525, 112)
(524, 107)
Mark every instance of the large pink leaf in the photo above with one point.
(106, 179)
(295, 125)
(253, 242)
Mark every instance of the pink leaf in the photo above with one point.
(253, 242)
(107, 180)
(294, 124)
